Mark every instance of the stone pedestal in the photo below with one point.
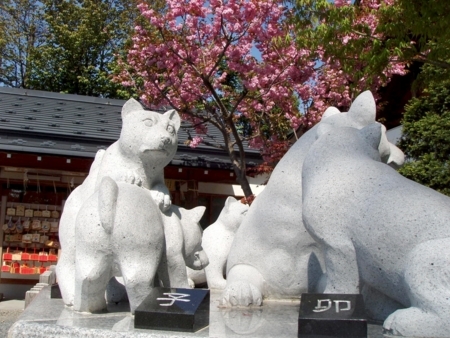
(332, 316)
(49, 318)
(174, 309)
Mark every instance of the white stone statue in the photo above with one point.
(380, 230)
(183, 252)
(272, 255)
(183, 236)
(147, 143)
(116, 237)
(120, 232)
(216, 241)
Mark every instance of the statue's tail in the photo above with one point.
(107, 200)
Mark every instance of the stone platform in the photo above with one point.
(46, 317)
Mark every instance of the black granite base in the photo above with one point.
(55, 292)
(332, 315)
(174, 309)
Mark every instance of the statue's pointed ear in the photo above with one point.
(330, 111)
(229, 200)
(198, 213)
(131, 105)
(372, 134)
(396, 157)
(363, 110)
(174, 117)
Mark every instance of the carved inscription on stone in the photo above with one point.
(326, 304)
(172, 297)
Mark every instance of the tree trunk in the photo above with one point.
(241, 178)
(239, 167)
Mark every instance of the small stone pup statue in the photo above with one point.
(217, 240)
(183, 236)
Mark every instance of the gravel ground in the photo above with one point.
(7, 318)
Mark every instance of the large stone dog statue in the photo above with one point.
(378, 228)
(147, 143)
(272, 255)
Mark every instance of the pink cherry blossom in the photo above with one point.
(191, 53)
(340, 3)
(333, 86)
(196, 140)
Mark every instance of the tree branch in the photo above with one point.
(423, 58)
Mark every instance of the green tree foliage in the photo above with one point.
(65, 46)
(376, 33)
(426, 136)
(82, 39)
(419, 30)
(22, 31)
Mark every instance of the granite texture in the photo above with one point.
(48, 277)
(216, 241)
(380, 230)
(272, 255)
(7, 319)
(49, 318)
(183, 238)
(147, 143)
(182, 251)
(120, 221)
(10, 310)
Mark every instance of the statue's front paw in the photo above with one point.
(241, 294)
(217, 283)
(166, 203)
(135, 179)
(162, 200)
(130, 177)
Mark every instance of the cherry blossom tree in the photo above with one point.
(249, 69)
(233, 64)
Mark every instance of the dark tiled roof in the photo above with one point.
(74, 125)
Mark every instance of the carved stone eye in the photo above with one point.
(171, 129)
(149, 122)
